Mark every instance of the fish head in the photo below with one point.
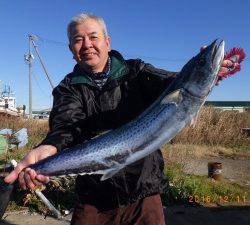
(200, 73)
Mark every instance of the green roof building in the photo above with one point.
(240, 106)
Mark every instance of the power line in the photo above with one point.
(51, 41)
(32, 40)
(39, 86)
(46, 40)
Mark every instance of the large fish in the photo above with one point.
(109, 153)
(163, 120)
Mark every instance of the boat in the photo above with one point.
(8, 102)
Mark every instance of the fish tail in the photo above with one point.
(5, 193)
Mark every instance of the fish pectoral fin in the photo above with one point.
(194, 121)
(173, 97)
(111, 172)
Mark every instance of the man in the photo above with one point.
(103, 92)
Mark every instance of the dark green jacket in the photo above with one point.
(81, 111)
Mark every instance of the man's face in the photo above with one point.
(89, 45)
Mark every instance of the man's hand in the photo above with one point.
(225, 66)
(224, 69)
(27, 177)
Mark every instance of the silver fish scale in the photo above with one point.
(100, 150)
(123, 141)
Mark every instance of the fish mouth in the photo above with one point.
(217, 53)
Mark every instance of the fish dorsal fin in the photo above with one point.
(173, 97)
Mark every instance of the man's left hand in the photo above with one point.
(224, 69)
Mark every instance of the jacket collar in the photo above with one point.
(118, 69)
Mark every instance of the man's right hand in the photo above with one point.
(27, 177)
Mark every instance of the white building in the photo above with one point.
(240, 106)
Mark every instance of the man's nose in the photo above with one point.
(86, 43)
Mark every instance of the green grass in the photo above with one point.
(193, 189)
(242, 149)
(183, 189)
(54, 191)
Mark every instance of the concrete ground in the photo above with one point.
(175, 215)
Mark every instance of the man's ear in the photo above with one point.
(108, 42)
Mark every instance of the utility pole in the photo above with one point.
(28, 58)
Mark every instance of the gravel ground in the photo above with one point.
(236, 169)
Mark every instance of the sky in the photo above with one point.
(161, 32)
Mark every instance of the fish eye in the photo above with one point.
(202, 62)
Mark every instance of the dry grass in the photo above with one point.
(35, 127)
(216, 127)
(178, 151)
(215, 132)
(37, 130)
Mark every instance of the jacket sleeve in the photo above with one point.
(154, 81)
(67, 112)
